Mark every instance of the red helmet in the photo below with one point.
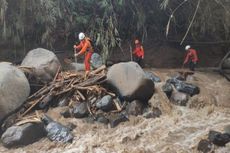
(137, 41)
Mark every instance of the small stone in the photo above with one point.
(71, 126)
(81, 110)
(179, 98)
(156, 112)
(66, 113)
(168, 89)
(102, 119)
(135, 108)
(105, 104)
(116, 121)
(204, 146)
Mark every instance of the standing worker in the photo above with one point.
(85, 46)
(191, 58)
(138, 52)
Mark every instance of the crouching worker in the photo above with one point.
(138, 53)
(86, 48)
(191, 58)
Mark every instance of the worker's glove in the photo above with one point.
(194, 63)
(75, 46)
(76, 55)
(142, 57)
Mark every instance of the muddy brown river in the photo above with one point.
(178, 130)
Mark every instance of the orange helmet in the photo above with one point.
(137, 41)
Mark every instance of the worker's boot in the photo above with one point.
(86, 74)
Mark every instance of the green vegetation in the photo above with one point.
(108, 22)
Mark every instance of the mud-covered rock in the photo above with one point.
(80, 110)
(135, 108)
(14, 89)
(118, 119)
(23, 135)
(204, 146)
(45, 64)
(102, 119)
(168, 89)
(105, 104)
(130, 82)
(184, 87)
(179, 98)
(154, 113)
(56, 131)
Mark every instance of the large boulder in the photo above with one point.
(23, 135)
(45, 64)
(226, 64)
(14, 89)
(130, 82)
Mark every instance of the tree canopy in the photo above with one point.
(108, 22)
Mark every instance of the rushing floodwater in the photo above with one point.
(177, 131)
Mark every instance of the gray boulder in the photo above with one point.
(105, 104)
(45, 64)
(179, 98)
(23, 135)
(96, 60)
(14, 89)
(130, 82)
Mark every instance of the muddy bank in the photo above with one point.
(177, 131)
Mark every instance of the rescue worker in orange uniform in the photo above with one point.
(138, 52)
(86, 48)
(191, 58)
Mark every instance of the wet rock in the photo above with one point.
(152, 77)
(66, 113)
(44, 62)
(130, 82)
(96, 60)
(168, 89)
(135, 108)
(102, 119)
(23, 135)
(105, 104)
(218, 138)
(14, 89)
(179, 98)
(156, 112)
(81, 110)
(204, 146)
(184, 87)
(56, 131)
(118, 119)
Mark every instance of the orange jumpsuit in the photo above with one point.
(191, 58)
(139, 51)
(86, 47)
